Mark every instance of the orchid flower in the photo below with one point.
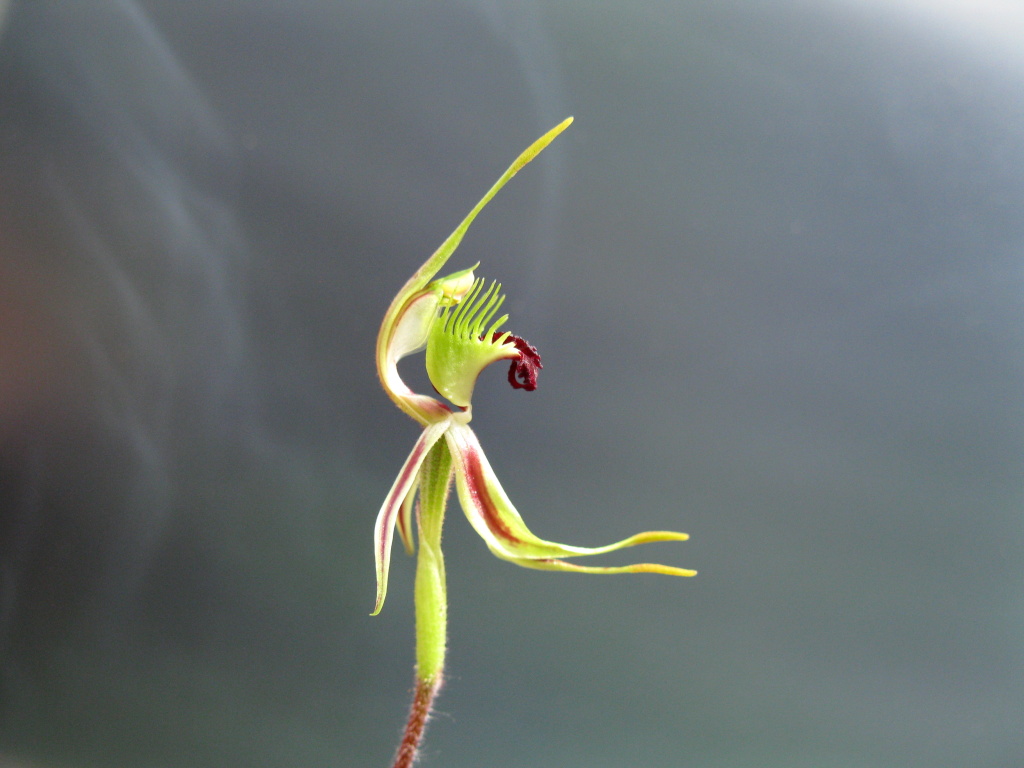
(455, 319)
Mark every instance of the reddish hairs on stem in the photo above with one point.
(419, 713)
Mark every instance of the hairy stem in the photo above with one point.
(419, 713)
(431, 599)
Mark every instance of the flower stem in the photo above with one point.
(419, 713)
(431, 599)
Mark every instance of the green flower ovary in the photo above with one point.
(461, 344)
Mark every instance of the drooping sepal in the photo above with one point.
(494, 517)
(401, 490)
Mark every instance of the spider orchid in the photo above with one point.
(455, 319)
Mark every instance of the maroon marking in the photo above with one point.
(402, 523)
(478, 486)
(406, 471)
(522, 374)
(419, 714)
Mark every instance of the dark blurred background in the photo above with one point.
(776, 271)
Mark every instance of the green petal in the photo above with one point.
(408, 334)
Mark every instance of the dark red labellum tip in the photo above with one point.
(522, 374)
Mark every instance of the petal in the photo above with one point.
(401, 490)
(499, 524)
(408, 334)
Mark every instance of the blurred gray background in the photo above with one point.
(776, 271)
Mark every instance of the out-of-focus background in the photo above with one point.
(776, 271)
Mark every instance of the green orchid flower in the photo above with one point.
(455, 320)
